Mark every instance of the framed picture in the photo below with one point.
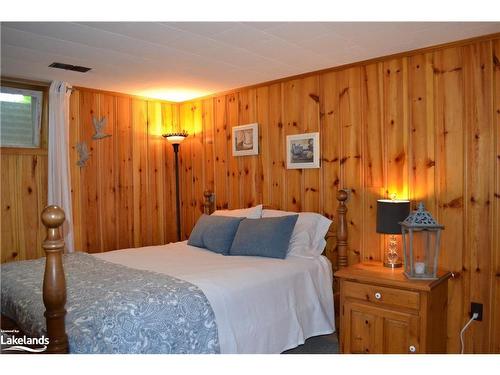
(302, 151)
(245, 139)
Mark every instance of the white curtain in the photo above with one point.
(59, 172)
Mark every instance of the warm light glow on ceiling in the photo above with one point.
(174, 94)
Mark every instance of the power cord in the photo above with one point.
(474, 317)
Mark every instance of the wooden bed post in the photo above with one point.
(209, 203)
(342, 229)
(54, 284)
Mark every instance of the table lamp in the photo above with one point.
(390, 212)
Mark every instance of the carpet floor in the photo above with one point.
(326, 344)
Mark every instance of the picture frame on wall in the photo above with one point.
(245, 140)
(302, 151)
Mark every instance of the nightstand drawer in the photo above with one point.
(382, 295)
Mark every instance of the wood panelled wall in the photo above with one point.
(424, 126)
(23, 195)
(125, 195)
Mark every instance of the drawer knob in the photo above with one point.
(412, 349)
(378, 295)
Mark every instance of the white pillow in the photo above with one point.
(249, 213)
(308, 237)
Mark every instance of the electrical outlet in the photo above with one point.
(476, 308)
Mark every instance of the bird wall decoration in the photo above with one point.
(99, 128)
(83, 154)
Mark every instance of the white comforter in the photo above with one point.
(261, 305)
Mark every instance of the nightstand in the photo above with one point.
(381, 311)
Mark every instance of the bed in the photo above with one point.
(173, 298)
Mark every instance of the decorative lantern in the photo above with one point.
(421, 236)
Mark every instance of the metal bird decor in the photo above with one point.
(99, 128)
(83, 154)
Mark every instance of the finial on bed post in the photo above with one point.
(54, 284)
(208, 204)
(342, 229)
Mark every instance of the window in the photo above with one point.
(20, 117)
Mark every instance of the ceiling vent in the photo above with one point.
(75, 68)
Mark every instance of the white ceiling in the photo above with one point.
(182, 60)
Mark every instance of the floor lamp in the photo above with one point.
(175, 139)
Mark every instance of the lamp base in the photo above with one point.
(391, 256)
(393, 265)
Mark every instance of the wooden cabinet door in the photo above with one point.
(399, 332)
(359, 329)
(370, 329)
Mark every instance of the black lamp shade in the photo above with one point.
(389, 214)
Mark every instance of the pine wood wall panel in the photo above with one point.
(351, 158)
(495, 290)
(233, 163)
(262, 176)
(276, 145)
(170, 123)
(208, 144)
(479, 184)
(186, 172)
(311, 123)
(330, 136)
(423, 126)
(140, 171)
(396, 127)
(221, 172)
(197, 163)
(75, 170)
(373, 151)
(250, 187)
(157, 182)
(449, 104)
(91, 231)
(422, 136)
(106, 149)
(292, 116)
(28, 204)
(42, 181)
(10, 230)
(124, 165)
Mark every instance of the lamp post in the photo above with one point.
(175, 139)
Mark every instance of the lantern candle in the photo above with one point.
(419, 268)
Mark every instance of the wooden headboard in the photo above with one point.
(336, 238)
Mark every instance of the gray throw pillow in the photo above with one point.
(214, 233)
(267, 237)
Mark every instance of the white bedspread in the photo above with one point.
(261, 305)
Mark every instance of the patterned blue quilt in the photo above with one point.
(113, 308)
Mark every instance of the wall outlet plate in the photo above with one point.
(477, 308)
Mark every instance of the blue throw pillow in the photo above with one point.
(267, 237)
(214, 233)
